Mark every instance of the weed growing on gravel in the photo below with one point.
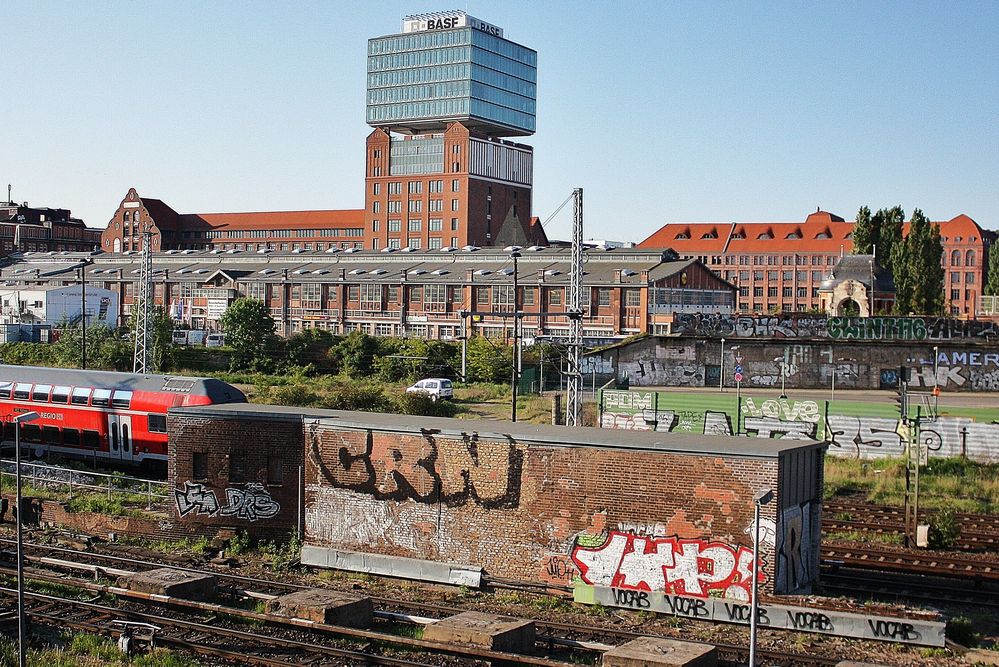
(960, 629)
(551, 603)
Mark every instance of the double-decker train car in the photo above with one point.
(117, 417)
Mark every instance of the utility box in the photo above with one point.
(923, 535)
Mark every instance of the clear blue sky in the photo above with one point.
(661, 111)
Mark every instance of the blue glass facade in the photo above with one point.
(422, 80)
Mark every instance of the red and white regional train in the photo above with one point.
(118, 417)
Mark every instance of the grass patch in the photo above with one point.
(87, 650)
(868, 537)
(952, 483)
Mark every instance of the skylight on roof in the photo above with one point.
(300, 272)
(417, 272)
(356, 272)
(439, 272)
(482, 272)
(470, 248)
(267, 272)
(332, 249)
(378, 272)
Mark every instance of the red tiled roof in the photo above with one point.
(274, 220)
(820, 232)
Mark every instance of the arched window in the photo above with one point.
(955, 258)
(969, 258)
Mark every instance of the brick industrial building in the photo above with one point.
(426, 293)
(26, 228)
(780, 266)
(457, 501)
(442, 95)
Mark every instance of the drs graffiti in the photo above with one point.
(856, 436)
(251, 503)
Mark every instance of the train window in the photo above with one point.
(121, 399)
(71, 436)
(60, 394)
(102, 397)
(81, 395)
(50, 434)
(31, 433)
(124, 437)
(157, 424)
(5, 388)
(41, 392)
(91, 439)
(22, 390)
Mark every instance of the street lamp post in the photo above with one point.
(21, 617)
(936, 381)
(759, 499)
(782, 362)
(514, 374)
(721, 364)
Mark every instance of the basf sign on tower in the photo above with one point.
(447, 21)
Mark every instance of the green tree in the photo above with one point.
(488, 362)
(903, 279)
(356, 352)
(888, 222)
(923, 268)
(865, 234)
(992, 284)
(249, 331)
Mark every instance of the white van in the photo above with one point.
(215, 340)
(433, 387)
(180, 337)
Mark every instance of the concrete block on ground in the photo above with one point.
(980, 656)
(498, 633)
(661, 652)
(322, 605)
(175, 583)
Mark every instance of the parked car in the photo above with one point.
(435, 388)
(215, 340)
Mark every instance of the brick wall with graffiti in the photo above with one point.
(562, 515)
(951, 364)
(852, 429)
(235, 474)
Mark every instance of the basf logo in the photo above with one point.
(446, 21)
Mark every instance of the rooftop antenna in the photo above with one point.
(9, 200)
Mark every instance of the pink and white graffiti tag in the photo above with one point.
(682, 567)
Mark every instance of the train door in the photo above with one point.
(120, 438)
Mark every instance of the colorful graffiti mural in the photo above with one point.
(853, 429)
(695, 568)
(835, 328)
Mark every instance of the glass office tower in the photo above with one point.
(451, 67)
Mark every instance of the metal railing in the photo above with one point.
(72, 482)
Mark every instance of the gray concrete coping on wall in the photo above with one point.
(392, 566)
(800, 619)
(523, 432)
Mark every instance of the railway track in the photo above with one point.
(978, 532)
(924, 563)
(551, 633)
(906, 589)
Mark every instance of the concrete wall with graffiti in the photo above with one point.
(951, 364)
(852, 429)
(557, 514)
(835, 328)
